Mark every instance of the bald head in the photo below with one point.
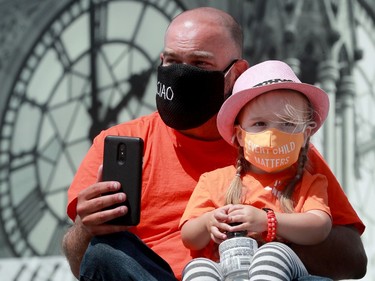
(218, 25)
(217, 19)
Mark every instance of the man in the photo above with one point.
(201, 60)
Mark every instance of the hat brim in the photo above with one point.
(233, 105)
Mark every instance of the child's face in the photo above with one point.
(285, 110)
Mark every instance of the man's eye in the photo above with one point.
(201, 64)
(170, 61)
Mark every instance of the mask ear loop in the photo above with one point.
(229, 67)
(225, 72)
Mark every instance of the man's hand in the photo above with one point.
(92, 212)
(91, 219)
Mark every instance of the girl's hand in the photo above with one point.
(249, 218)
(217, 224)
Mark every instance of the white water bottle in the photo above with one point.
(236, 254)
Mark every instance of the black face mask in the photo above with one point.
(188, 96)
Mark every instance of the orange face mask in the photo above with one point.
(272, 150)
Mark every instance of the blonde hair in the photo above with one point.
(234, 192)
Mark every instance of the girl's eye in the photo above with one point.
(259, 124)
(292, 127)
(288, 124)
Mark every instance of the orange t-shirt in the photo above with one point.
(172, 165)
(261, 191)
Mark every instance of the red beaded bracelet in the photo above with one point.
(270, 234)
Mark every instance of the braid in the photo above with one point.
(234, 192)
(286, 200)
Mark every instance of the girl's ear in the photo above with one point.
(307, 134)
(238, 134)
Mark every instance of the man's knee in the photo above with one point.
(99, 254)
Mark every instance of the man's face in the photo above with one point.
(206, 44)
(200, 43)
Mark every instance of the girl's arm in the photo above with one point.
(194, 233)
(308, 228)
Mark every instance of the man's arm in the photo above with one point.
(340, 256)
(74, 246)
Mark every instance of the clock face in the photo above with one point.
(92, 67)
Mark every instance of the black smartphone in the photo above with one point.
(122, 162)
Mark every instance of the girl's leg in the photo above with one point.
(276, 261)
(201, 269)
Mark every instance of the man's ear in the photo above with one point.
(237, 69)
(161, 58)
(240, 67)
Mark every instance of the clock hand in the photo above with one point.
(138, 83)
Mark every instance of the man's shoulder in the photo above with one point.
(145, 120)
(142, 127)
(136, 126)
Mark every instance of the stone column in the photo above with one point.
(346, 94)
(328, 74)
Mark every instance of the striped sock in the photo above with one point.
(201, 269)
(276, 261)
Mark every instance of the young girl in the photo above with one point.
(268, 193)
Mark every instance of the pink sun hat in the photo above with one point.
(261, 78)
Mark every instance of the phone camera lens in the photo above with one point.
(121, 153)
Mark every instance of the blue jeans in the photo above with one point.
(123, 256)
(313, 278)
